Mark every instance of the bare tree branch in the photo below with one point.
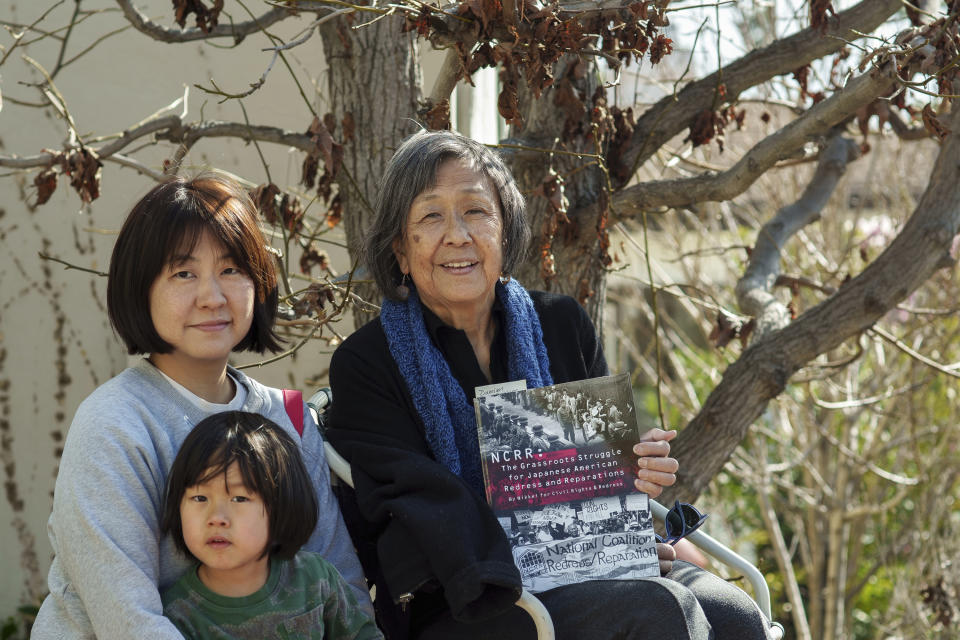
(777, 146)
(446, 80)
(903, 130)
(171, 128)
(238, 31)
(753, 289)
(762, 372)
(673, 114)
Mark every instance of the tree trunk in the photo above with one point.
(566, 253)
(373, 75)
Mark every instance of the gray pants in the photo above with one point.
(689, 603)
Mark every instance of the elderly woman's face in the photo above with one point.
(452, 242)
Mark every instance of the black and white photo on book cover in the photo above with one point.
(558, 467)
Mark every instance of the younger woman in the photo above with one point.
(240, 503)
(190, 282)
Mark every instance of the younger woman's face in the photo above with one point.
(226, 527)
(201, 303)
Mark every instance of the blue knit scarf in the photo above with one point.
(449, 419)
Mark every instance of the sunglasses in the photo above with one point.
(682, 520)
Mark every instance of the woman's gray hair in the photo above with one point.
(411, 170)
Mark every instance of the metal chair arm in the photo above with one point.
(541, 617)
(729, 557)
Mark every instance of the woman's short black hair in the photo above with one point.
(270, 464)
(411, 170)
(169, 219)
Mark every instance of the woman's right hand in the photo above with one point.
(656, 468)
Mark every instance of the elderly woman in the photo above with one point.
(449, 228)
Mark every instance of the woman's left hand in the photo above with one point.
(657, 468)
(666, 554)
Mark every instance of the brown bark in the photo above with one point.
(575, 245)
(762, 372)
(373, 75)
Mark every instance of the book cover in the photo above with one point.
(558, 467)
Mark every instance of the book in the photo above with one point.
(558, 467)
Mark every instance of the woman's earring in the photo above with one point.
(504, 278)
(403, 289)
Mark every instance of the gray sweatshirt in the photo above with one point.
(110, 561)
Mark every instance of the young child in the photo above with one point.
(240, 503)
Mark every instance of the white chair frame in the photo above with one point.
(530, 603)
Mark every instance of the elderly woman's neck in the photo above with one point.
(480, 330)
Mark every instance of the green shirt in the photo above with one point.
(303, 599)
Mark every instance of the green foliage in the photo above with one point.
(18, 626)
(9, 629)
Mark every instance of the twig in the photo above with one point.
(656, 321)
(309, 31)
(171, 128)
(55, 97)
(18, 37)
(293, 75)
(857, 403)
(799, 281)
(92, 45)
(899, 344)
(66, 39)
(288, 352)
(67, 266)
(136, 166)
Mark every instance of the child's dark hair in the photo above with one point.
(270, 465)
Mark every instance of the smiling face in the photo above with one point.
(452, 243)
(226, 527)
(201, 303)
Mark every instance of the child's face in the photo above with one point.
(225, 526)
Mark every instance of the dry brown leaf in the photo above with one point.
(83, 167)
(507, 102)
(206, 18)
(291, 212)
(660, 47)
(818, 13)
(312, 257)
(331, 151)
(438, 116)
(335, 213)
(933, 125)
(46, 184)
(265, 197)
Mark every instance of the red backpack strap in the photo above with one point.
(293, 403)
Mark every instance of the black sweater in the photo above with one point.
(418, 528)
